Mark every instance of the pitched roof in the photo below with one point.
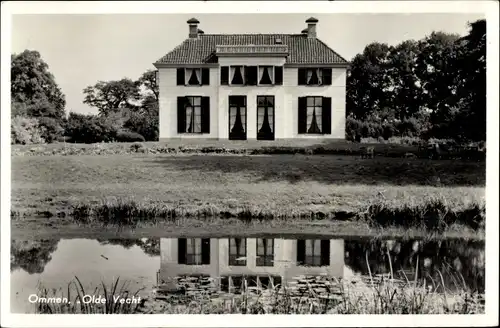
(301, 49)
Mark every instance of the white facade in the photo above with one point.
(284, 262)
(285, 95)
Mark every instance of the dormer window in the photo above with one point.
(193, 76)
(315, 76)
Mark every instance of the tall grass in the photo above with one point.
(432, 215)
(375, 295)
(79, 303)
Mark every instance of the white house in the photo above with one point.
(233, 258)
(252, 86)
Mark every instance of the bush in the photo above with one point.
(90, 129)
(129, 136)
(51, 129)
(144, 124)
(26, 130)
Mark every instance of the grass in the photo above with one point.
(396, 147)
(80, 304)
(373, 295)
(249, 187)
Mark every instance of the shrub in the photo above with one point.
(144, 124)
(26, 130)
(388, 131)
(90, 129)
(51, 129)
(129, 136)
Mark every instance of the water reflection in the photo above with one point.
(188, 266)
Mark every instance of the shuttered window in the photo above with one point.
(314, 115)
(314, 76)
(193, 76)
(193, 114)
(193, 251)
(313, 252)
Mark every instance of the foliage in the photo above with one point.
(148, 81)
(90, 129)
(26, 130)
(112, 96)
(51, 129)
(433, 87)
(34, 91)
(129, 136)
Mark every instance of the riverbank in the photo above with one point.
(126, 189)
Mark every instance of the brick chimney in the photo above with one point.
(193, 28)
(311, 27)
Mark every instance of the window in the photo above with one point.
(236, 75)
(265, 252)
(193, 114)
(314, 76)
(265, 117)
(193, 76)
(251, 75)
(193, 251)
(314, 115)
(237, 117)
(313, 252)
(266, 75)
(237, 251)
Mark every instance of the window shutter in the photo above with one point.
(301, 251)
(224, 75)
(327, 76)
(205, 251)
(205, 76)
(278, 75)
(327, 115)
(205, 115)
(325, 252)
(302, 115)
(302, 76)
(180, 76)
(181, 250)
(181, 115)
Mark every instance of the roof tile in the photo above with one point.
(302, 50)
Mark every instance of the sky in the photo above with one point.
(84, 49)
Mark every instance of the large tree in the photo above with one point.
(471, 60)
(112, 96)
(34, 91)
(368, 88)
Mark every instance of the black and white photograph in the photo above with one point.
(249, 159)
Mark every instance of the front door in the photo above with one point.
(237, 118)
(265, 117)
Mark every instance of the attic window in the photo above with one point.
(278, 41)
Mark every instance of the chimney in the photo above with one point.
(193, 28)
(311, 27)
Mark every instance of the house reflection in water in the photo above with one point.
(228, 260)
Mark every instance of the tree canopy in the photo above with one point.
(34, 91)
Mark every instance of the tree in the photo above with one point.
(148, 82)
(111, 96)
(34, 91)
(471, 64)
(405, 85)
(368, 87)
(31, 256)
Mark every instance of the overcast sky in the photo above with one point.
(83, 49)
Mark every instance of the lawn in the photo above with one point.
(278, 186)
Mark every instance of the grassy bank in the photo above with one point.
(385, 191)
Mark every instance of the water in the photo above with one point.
(174, 268)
